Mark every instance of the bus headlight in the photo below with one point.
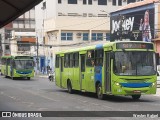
(117, 84)
(153, 84)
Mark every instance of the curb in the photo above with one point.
(43, 76)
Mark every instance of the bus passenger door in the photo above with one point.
(61, 70)
(82, 73)
(7, 64)
(108, 72)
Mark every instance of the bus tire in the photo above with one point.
(28, 78)
(136, 97)
(100, 95)
(13, 78)
(69, 87)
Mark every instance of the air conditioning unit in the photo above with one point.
(78, 35)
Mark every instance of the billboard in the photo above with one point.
(133, 25)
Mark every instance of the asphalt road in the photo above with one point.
(39, 94)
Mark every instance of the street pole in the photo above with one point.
(37, 55)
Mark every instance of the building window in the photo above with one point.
(85, 36)
(102, 2)
(119, 2)
(27, 24)
(84, 2)
(114, 2)
(8, 34)
(59, 1)
(6, 47)
(84, 14)
(107, 36)
(15, 24)
(32, 13)
(97, 36)
(90, 2)
(44, 5)
(27, 15)
(32, 24)
(21, 24)
(23, 46)
(130, 1)
(66, 36)
(72, 1)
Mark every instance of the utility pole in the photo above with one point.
(37, 55)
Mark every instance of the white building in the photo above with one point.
(18, 37)
(73, 23)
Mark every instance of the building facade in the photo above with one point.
(18, 37)
(73, 23)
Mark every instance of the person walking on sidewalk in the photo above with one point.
(48, 69)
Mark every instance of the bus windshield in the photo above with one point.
(134, 63)
(24, 64)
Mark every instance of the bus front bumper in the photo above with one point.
(133, 91)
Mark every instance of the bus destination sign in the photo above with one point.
(134, 46)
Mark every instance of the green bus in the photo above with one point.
(18, 66)
(114, 68)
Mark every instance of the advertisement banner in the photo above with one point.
(133, 26)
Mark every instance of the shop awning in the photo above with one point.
(11, 9)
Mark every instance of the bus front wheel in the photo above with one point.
(100, 95)
(69, 87)
(136, 97)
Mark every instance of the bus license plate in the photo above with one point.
(136, 91)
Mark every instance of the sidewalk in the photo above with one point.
(158, 92)
(41, 75)
(158, 82)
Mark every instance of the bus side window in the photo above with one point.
(13, 63)
(34, 64)
(66, 60)
(71, 60)
(90, 58)
(76, 59)
(3, 61)
(8, 61)
(99, 57)
(57, 61)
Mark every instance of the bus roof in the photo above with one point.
(7, 56)
(99, 46)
